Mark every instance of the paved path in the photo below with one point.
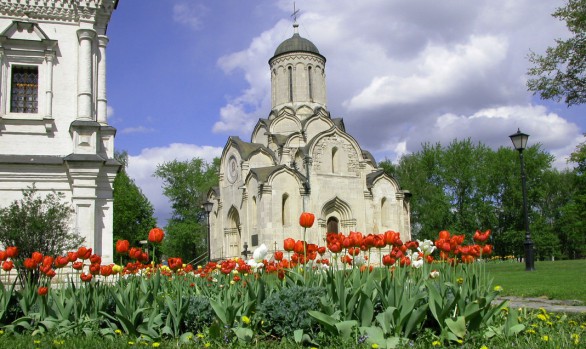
(551, 305)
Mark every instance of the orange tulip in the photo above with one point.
(122, 246)
(306, 220)
(288, 244)
(156, 235)
(30, 264)
(7, 265)
(37, 257)
(11, 251)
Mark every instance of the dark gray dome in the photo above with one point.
(296, 44)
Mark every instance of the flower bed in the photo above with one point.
(306, 293)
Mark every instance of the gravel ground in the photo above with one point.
(551, 305)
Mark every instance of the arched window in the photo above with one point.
(335, 160)
(332, 225)
(254, 212)
(290, 71)
(285, 214)
(309, 78)
(384, 212)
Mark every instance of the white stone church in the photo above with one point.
(300, 159)
(54, 132)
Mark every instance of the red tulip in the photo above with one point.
(299, 247)
(481, 237)
(95, 259)
(51, 273)
(72, 256)
(47, 261)
(84, 252)
(94, 269)
(11, 251)
(30, 264)
(176, 263)
(77, 265)
(321, 250)
(134, 253)
(2, 255)
(487, 250)
(85, 277)
(335, 247)
(7, 265)
(278, 255)
(122, 246)
(288, 244)
(106, 270)
(42, 291)
(61, 261)
(306, 220)
(444, 234)
(37, 257)
(156, 235)
(388, 260)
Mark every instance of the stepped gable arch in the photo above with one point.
(317, 124)
(267, 175)
(285, 123)
(378, 177)
(335, 151)
(260, 132)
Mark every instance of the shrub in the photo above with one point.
(286, 310)
(199, 314)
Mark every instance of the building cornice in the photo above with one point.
(58, 10)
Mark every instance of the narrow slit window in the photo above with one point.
(24, 90)
(290, 70)
(309, 78)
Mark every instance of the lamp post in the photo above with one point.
(207, 207)
(520, 142)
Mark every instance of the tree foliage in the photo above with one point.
(133, 212)
(38, 224)
(186, 184)
(560, 73)
(463, 187)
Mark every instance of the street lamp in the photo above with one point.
(207, 207)
(520, 142)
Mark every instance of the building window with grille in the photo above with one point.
(24, 89)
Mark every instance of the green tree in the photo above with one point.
(186, 184)
(573, 213)
(463, 186)
(559, 74)
(133, 212)
(34, 223)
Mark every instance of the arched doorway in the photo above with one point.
(232, 233)
(332, 225)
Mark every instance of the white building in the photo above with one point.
(54, 131)
(300, 159)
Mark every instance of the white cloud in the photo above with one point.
(141, 168)
(137, 129)
(189, 14)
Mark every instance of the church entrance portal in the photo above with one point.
(332, 225)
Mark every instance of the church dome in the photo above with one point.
(296, 44)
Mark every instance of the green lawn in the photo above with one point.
(555, 280)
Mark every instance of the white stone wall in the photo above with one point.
(67, 42)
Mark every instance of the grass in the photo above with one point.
(563, 280)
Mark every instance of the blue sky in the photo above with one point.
(183, 75)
